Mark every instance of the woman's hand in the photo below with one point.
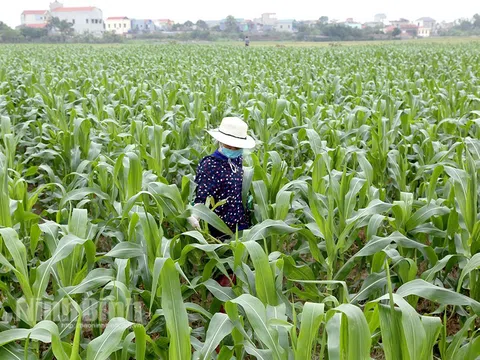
(194, 222)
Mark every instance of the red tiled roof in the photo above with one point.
(117, 18)
(74, 9)
(36, 26)
(34, 12)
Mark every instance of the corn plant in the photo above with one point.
(365, 234)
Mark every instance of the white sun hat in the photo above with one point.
(233, 132)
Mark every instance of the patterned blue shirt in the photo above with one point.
(216, 177)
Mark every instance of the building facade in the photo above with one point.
(164, 24)
(426, 22)
(426, 26)
(424, 32)
(34, 18)
(267, 19)
(284, 25)
(120, 25)
(399, 23)
(84, 20)
(142, 26)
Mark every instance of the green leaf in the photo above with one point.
(94, 280)
(257, 317)
(357, 332)
(140, 341)
(126, 250)
(64, 249)
(425, 213)
(219, 292)
(16, 249)
(103, 346)
(311, 320)
(211, 218)
(437, 294)
(264, 277)
(471, 265)
(220, 326)
(175, 313)
(266, 229)
(459, 338)
(81, 194)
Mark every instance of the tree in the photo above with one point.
(465, 25)
(176, 27)
(8, 34)
(32, 33)
(476, 21)
(323, 20)
(231, 24)
(3, 26)
(188, 24)
(202, 25)
(396, 32)
(62, 26)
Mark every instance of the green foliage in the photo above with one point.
(365, 239)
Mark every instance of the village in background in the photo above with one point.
(62, 23)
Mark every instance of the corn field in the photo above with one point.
(365, 242)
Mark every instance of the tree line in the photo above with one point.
(321, 30)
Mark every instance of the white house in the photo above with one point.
(426, 26)
(34, 18)
(119, 25)
(424, 32)
(87, 19)
(266, 19)
(425, 22)
(284, 25)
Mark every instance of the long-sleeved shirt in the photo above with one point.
(216, 177)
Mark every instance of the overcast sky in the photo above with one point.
(182, 10)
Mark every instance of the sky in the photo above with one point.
(183, 10)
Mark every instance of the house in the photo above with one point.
(426, 26)
(284, 25)
(406, 30)
(143, 25)
(163, 24)
(88, 19)
(399, 23)
(426, 22)
(266, 20)
(120, 25)
(424, 32)
(352, 24)
(34, 18)
(373, 25)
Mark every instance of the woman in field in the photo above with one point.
(220, 175)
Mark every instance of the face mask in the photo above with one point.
(232, 154)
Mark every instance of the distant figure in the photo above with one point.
(247, 41)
